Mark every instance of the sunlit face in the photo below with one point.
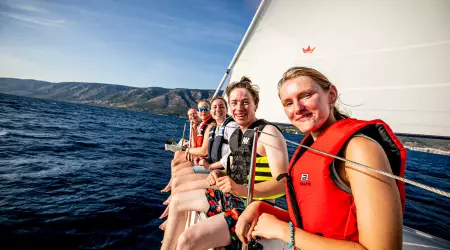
(242, 107)
(204, 114)
(218, 110)
(193, 115)
(305, 103)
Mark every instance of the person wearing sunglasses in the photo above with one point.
(200, 141)
(222, 200)
(192, 175)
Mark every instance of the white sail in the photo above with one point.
(388, 59)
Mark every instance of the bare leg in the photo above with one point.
(177, 161)
(187, 201)
(182, 166)
(181, 169)
(163, 226)
(184, 184)
(166, 202)
(179, 154)
(197, 181)
(209, 233)
(165, 213)
(167, 188)
(184, 171)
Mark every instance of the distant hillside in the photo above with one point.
(154, 99)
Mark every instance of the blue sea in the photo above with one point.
(74, 176)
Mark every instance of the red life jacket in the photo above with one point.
(201, 131)
(194, 136)
(315, 202)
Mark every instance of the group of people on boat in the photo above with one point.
(332, 203)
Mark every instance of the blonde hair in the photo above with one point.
(317, 77)
(244, 83)
(204, 100)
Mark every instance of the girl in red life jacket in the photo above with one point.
(200, 138)
(199, 142)
(333, 204)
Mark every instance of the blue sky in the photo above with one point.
(141, 43)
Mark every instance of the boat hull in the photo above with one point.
(412, 239)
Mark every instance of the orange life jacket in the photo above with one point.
(201, 131)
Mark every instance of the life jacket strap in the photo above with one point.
(292, 198)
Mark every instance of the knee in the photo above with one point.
(175, 182)
(176, 203)
(175, 169)
(178, 154)
(188, 239)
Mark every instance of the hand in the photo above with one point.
(248, 217)
(227, 185)
(269, 227)
(197, 160)
(212, 177)
(186, 155)
(204, 163)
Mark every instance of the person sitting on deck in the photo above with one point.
(199, 146)
(223, 206)
(194, 120)
(200, 149)
(333, 204)
(217, 143)
(187, 176)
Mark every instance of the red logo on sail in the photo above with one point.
(308, 50)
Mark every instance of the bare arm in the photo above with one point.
(215, 165)
(376, 196)
(221, 163)
(276, 151)
(251, 215)
(377, 201)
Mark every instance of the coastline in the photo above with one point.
(428, 150)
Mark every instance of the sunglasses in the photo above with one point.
(206, 108)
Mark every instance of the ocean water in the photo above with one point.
(80, 177)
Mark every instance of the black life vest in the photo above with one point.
(215, 142)
(241, 151)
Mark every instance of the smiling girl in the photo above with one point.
(333, 204)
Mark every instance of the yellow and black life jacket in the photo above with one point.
(241, 153)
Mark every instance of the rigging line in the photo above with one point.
(417, 184)
(410, 172)
(431, 189)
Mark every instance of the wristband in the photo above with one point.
(292, 241)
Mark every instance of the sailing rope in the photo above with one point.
(414, 183)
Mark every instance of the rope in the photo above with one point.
(414, 183)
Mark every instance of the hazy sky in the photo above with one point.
(142, 43)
